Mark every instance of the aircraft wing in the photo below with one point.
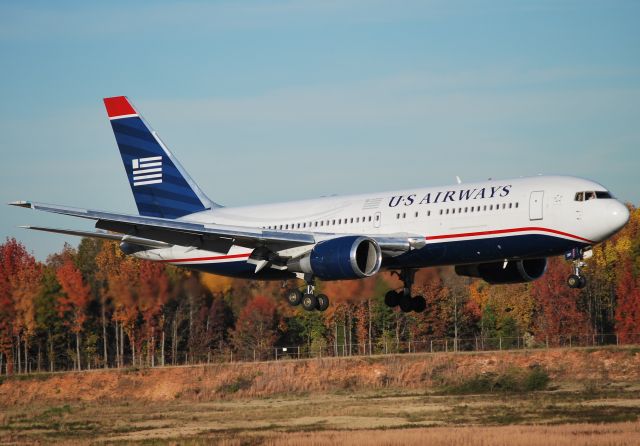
(157, 232)
(176, 232)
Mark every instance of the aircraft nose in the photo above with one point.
(618, 215)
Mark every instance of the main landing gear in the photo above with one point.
(309, 300)
(576, 279)
(403, 298)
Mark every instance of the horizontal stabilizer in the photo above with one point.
(104, 235)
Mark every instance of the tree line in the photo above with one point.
(91, 306)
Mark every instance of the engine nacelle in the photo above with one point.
(350, 257)
(519, 271)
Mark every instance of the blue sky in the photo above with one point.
(268, 101)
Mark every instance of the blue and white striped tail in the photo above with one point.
(160, 186)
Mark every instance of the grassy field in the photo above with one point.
(582, 415)
(228, 405)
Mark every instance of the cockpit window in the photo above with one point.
(592, 195)
(603, 194)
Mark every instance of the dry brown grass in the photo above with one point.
(619, 434)
(256, 380)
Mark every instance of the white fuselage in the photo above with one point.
(496, 210)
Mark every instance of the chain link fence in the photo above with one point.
(309, 351)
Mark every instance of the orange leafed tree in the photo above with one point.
(628, 305)
(19, 283)
(72, 303)
(558, 313)
(256, 326)
(153, 292)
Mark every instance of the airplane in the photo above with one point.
(501, 231)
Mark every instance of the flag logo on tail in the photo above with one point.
(147, 170)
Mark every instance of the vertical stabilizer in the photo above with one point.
(160, 185)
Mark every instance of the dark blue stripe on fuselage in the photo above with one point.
(436, 254)
(242, 270)
(460, 252)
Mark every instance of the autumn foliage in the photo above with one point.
(94, 307)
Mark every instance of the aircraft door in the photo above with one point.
(535, 205)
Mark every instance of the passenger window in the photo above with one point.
(428, 213)
(517, 205)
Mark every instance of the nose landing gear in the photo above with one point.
(403, 298)
(576, 279)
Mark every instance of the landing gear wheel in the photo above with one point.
(419, 304)
(322, 302)
(309, 302)
(583, 282)
(573, 281)
(294, 297)
(392, 299)
(406, 304)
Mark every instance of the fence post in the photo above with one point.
(547, 341)
(569, 341)
(617, 340)
(500, 342)
(254, 355)
(276, 349)
(298, 352)
(431, 347)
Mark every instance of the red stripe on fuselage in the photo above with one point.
(432, 237)
(506, 231)
(199, 259)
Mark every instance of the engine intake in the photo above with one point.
(519, 271)
(350, 257)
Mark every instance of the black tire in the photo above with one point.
(406, 304)
(294, 297)
(583, 282)
(392, 299)
(322, 302)
(309, 302)
(573, 281)
(419, 304)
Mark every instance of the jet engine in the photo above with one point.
(350, 257)
(517, 271)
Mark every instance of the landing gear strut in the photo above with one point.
(309, 300)
(403, 298)
(576, 279)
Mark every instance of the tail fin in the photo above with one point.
(160, 185)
